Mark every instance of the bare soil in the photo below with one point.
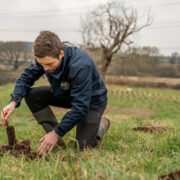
(153, 128)
(17, 148)
(171, 176)
(137, 112)
(11, 135)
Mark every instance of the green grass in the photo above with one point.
(123, 153)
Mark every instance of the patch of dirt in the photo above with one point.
(117, 117)
(171, 176)
(121, 116)
(58, 110)
(153, 128)
(17, 148)
(11, 135)
(112, 109)
(128, 112)
(137, 112)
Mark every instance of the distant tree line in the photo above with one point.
(15, 53)
(145, 61)
(134, 61)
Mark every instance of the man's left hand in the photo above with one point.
(48, 142)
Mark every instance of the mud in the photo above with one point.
(11, 135)
(153, 128)
(170, 176)
(17, 148)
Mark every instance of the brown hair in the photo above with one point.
(47, 44)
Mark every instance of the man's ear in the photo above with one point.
(61, 54)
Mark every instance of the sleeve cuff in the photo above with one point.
(59, 131)
(16, 99)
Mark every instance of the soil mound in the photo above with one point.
(17, 148)
(171, 176)
(153, 128)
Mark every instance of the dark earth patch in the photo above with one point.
(171, 176)
(153, 128)
(17, 148)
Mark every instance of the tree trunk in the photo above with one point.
(102, 72)
(103, 67)
(16, 64)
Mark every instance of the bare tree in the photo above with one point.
(108, 28)
(15, 53)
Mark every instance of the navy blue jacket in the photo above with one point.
(76, 78)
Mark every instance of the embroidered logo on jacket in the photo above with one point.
(65, 85)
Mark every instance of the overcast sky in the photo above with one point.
(23, 19)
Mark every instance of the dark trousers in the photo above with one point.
(39, 98)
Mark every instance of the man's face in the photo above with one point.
(50, 64)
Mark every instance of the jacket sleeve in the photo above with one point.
(80, 100)
(26, 80)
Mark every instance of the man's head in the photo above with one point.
(48, 50)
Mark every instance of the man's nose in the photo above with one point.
(46, 68)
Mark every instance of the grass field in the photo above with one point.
(123, 153)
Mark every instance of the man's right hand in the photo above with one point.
(7, 111)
